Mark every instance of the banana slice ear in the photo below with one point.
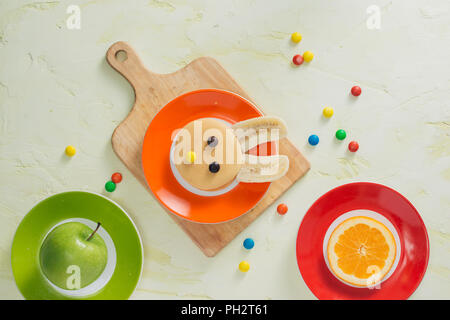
(256, 131)
(263, 168)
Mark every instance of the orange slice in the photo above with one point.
(361, 251)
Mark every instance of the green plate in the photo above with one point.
(76, 205)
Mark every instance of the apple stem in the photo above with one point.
(92, 234)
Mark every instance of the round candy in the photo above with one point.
(296, 37)
(313, 139)
(70, 151)
(328, 112)
(282, 209)
(214, 167)
(356, 91)
(244, 266)
(308, 56)
(110, 186)
(297, 59)
(341, 134)
(353, 146)
(212, 141)
(116, 177)
(249, 243)
(191, 156)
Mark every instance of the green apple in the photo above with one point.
(73, 255)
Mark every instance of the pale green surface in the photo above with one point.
(56, 89)
(67, 245)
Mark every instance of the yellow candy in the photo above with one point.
(191, 156)
(244, 266)
(328, 112)
(296, 37)
(70, 151)
(308, 56)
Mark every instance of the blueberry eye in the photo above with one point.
(214, 167)
(212, 141)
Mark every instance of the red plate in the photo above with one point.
(383, 200)
(205, 103)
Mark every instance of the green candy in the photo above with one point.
(341, 134)
(110, 186)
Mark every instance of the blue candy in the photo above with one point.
(313, 139)
(249, 243)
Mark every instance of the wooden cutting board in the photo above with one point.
(152, 92)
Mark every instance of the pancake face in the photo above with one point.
(207, 154)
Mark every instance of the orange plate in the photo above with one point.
(204, 103)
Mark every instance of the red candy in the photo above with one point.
(356, 91)
(297, 59)
(353, 146)
(282, 208)
(116, 177)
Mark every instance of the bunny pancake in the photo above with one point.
(210, 154)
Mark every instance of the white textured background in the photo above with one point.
(57, 89)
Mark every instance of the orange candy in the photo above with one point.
(116, 177)
(282, 209)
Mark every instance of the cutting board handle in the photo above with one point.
(125, 60)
